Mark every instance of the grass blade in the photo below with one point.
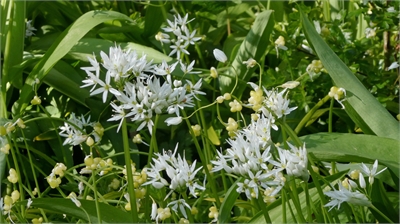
(254, 46)
(60, 48)
(361, 106)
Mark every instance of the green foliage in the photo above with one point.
(355, 43)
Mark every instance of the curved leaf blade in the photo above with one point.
(60, 48)
(109, 214)
(361, 106)
(346, 147)
(254, 46)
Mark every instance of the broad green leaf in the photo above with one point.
(381, 201)
(109, 214)
(229, 201)
(361, 106)
(155, 16)
(60, 48)
(254, 46)
(86, 47)
(13, 49)
(344, 147)
(65, 79)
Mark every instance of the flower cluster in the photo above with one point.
(54, 179)
(97, 163)
(351, 192)
(314, 69)
(251, 149)
(273, 105)
(139, 91)
(78, 130)
(182, 175)
(183, 36)
(250, 156)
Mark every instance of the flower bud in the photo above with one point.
(213, 73)
(36, 100)
(196, 130)
(89, 141)
(227, 96)
(220, 55)
(220, 99)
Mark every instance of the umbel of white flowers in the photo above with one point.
(137, 87)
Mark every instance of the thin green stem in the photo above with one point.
(308, 202)
(308, 116)
(201, 155)
(153, 141)
(330, 116)
(264, 209)
(295, 198)
(380, 213)
(96, 200)
(284, 200)
(128, 167)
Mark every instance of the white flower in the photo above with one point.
(290, 84)
(162, 37)
(391, 10)
(74, 199)
(370, 33)
(173, 121)
(29, 29)
(394, 65)
(220, 55)
(105, 88)
(280, 44)
(181, 204)
(339, 94)
(250, 63)
(187, 69)
(371, 173)
(29, 203)
(344, 195)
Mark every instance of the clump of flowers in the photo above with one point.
(54, 179)
(98, 164)
(314, 69)
(138, 89)
(78, 129)
(180, 38)
(351, 192)
(181, 175)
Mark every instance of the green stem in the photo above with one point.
(153, 141)
(264, 209)
(295, 198)
(308, 116)
(380, 213)
(96, 200)
(127, 155)
(290, 132)
(330, 116)
(189, 213)
(284, 200)
(308, 202)
(210, 178)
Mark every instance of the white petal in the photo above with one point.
(220, 55)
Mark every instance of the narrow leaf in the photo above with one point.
(254, 46)
(60, 48)
(109, 214)
(344, 147)
(229, 201)
(361, 106)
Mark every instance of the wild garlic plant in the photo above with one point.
(170, 141)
